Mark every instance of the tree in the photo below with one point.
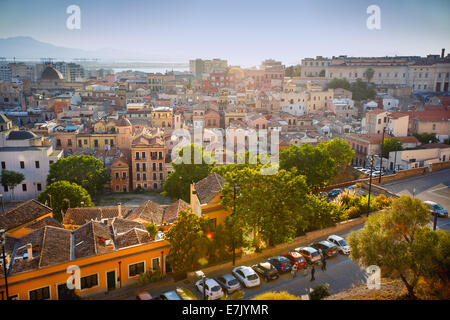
(11, 179)
(189, 172)
(426, 137)
(339, 83)
(390, 240)
(152, 229)
(319, 292)
(369, 74)
(362, 90)
(389, 145)
(292, 71)
(322, 73)
(86, 171)
(313, 162)
(340, 151)
(61, 195)
(188, 242)
(270, 205)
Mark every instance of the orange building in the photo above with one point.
(148, 162)
(120, 174)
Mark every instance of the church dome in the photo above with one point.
(51, 73)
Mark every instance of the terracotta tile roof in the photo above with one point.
(371, 138)
(132, 237)
(171, 211)
(47, 221)
(148, 211)
(24, 213)
(408, 139)
(79, 216)
(435, 145)
(89, 239)
(55, 247)
(123, 225)
(376, 111)
(208, 188)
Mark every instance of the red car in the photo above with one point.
(295, 258)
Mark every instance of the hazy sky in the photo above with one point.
(244, 32)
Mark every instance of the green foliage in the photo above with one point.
(273, 295)
(368, 74)
(11, 179)
(188, 242)
(319, 292)
(340, 151)
(268, 204)
(152, 229)
(339, 83)
(313, 162)
(425, 138)
(362, 90)
(188, 170)
(447, 141)
(293, 71)
(391, 239)
(390, 145)
(322, 73)
(316, 214)
(62, 194)
(86, 171)
(150, 277)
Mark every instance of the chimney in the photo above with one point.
(29, 251)
(119, 210)
(443, 53)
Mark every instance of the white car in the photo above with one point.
(340, 243)
(213, 289)
(366, 171)
(247, 276)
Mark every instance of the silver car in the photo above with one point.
(229, 283)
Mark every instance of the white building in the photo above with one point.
(31, 155)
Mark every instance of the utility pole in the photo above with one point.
(370, 185)
(381, 156)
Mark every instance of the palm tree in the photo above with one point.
(368, 74)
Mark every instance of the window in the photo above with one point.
(5, 188)
(79, 143)
(154, 176)
(135, 269)
(39, 187)
(144, 167)
(85, 141)
(3, 165)
(22, 164)
(137, 155)
(24, 187)
(40, 294)
(161, 176)
(89, 281)
(138, 167)
(124, 175)
(143, 155)
(155, 264)
(117, 176)
(154, 166)
(144, 176)
(138, 176)
(160, 166)
(96, 143)
(37, 164)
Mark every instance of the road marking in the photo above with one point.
(438, 195)
(446, 187)
(443, 224)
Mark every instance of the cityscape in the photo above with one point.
(142, 172)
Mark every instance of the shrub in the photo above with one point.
(273, 295)
(351, 213)
(150, 277)
(152, 229)
(319, 292)
(383, 202)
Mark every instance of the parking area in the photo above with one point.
(341, 273)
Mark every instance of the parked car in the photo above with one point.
(340, 243)
(228, 282)
(358, 168)
(365, 171)
(281, 263)
(334, 192)
(295, 258)
(144, 295)
(186, 294)
(247, 276)
(325, 247)
(310, 254)
(170, 295)
(437, 208)
(212, 289)
(266, 270)
(377, 173)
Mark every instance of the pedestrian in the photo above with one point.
(312, 273)
(294, 270)
(324, 264)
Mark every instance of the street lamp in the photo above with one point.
(3, 243)
(181, 181)
(3, 205)
(235, 188)
(370, 185)
(381, 155)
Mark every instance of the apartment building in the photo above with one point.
(148, 165)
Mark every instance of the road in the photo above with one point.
(341, 273)
(434, 186)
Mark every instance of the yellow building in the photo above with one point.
(98, 141)
(206, 198)
(162, 117)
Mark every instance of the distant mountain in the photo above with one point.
(30, 48)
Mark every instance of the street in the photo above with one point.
(433, 187)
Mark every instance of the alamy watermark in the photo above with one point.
(373, 277)
(74, 20)
(374, 20)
